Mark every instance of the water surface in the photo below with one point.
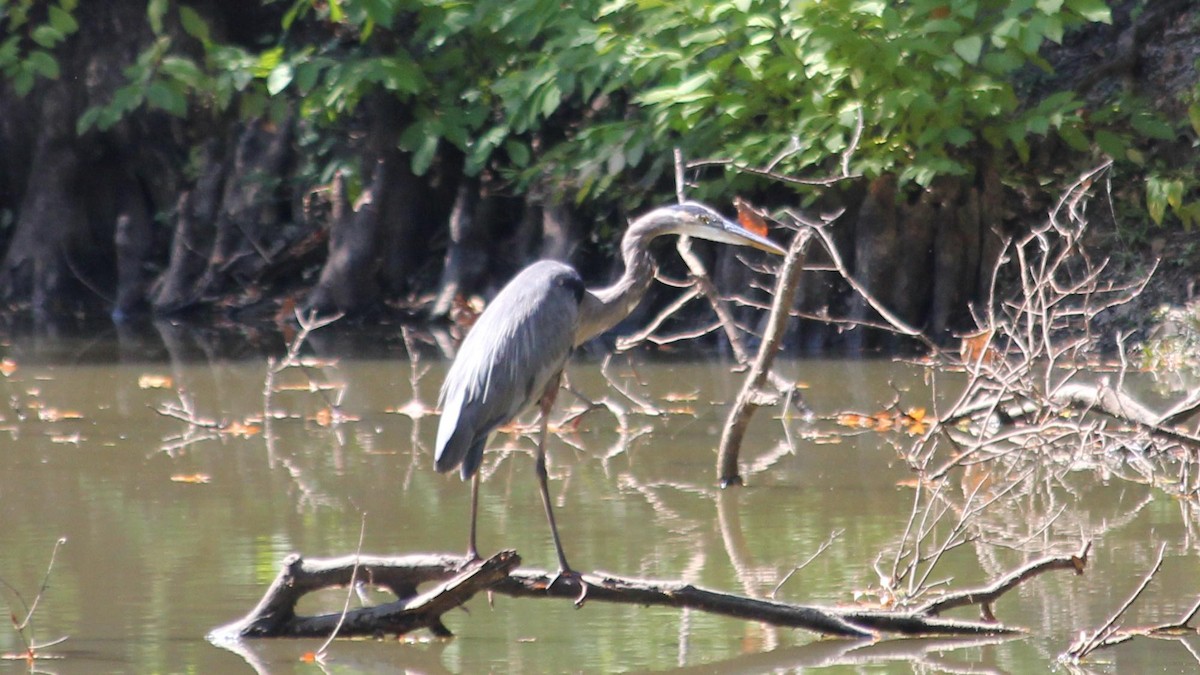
(173, 529)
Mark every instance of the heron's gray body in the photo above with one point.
(515, 352)
(517, 346)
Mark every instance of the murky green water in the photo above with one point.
(173, 529)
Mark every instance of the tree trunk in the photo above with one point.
(466, 257)
(349, 282)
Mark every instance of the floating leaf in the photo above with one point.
(7, 366)
(242, 429)
(193, 478)
(54, 414)
(150, 381)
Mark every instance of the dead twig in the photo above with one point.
(1108, 634)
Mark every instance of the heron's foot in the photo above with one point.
(570, 577)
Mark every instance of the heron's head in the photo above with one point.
(700, 221)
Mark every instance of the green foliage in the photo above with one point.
(33, 30)
(742, 79)
(582, 97)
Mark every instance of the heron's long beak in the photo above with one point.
(729, 232)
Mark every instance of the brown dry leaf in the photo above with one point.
(298, 386)
(153, 381)
(884, 421)
(916, 414)
(193, 478)
(243, 429)
(7, 366)
(327, 417)
(976, 345)
(54, 414)
(854, 420)
(317, 362)
(323, 418)
(750, 217)
(73, 439)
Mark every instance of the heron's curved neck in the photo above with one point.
(604, 308)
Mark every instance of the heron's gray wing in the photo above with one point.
(519, 343)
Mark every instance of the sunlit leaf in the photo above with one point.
(47, 414)
(71, 439)
(241, 429)
(152, 381)
(969, 48)
(414, 409)
(193, 478)
(279, 79)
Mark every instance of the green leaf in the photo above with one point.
(1074, 137)
(1156, 199)
(62, 20)
(1092, 10)
(183, 70)
(481, 149)
(969, 48)
(162, 95)
(43, 64)
(1194, 116)
(518, 152)
(1152, 126)
(47, 36)
(194, 24)
(1175, 193)
(87, 120)
(23, 81)
(1112, 144)
(155, 11)
(423, 157)
(279, 79)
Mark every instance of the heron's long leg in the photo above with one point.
(472, 550)
(546, 404)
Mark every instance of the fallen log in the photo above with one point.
(459, 579)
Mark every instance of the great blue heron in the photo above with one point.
(514, 355)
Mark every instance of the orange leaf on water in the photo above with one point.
(242, 429)
(193, 478)
(854, 420)
(7, 366)
(152, 381)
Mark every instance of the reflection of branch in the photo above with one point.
(985, 597)
(31, 645)
(1107, 635)
(820, 549)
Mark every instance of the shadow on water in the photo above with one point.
(174, 528)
